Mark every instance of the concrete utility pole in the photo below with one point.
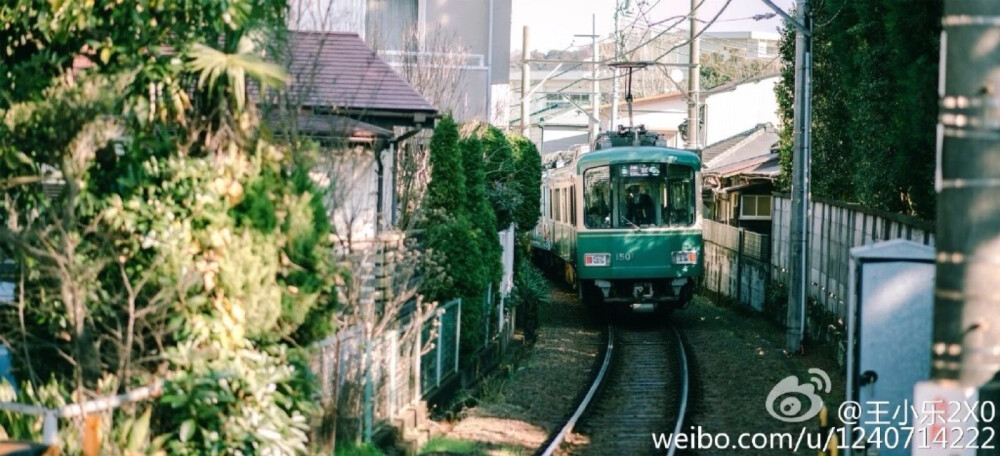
(525, 87)
(613, 124)
(693, 78)
(802, 126)
(595, 95)
(966, 343)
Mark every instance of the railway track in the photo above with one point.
(640, 388)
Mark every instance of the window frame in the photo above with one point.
(608, 198)
(755, 198)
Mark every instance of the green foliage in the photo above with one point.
(502, 187)
(439, 445)
(446, 189)
(530, 287)
(528, 174)
(784, 91)
(717, 68)
(181, 242)
(40, 39)
(205, 406)
(480, 213)
(450, 235)
(360, 450)
(18, 426)
(874, 103)
(530, 293)
(776, 303)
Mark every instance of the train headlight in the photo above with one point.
(597, 259)
(685, 257)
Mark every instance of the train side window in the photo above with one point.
(555, 204)
(572, 205)
(567, 205)
(559, 204)
(562, 205)
(596, 197)
(552, 204)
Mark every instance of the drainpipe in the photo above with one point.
(489, 67)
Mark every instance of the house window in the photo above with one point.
(755, 207)
(391, 25)
(553, 100)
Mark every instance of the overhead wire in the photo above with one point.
(635, 48)
(834, 17)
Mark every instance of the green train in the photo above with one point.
(622, 223)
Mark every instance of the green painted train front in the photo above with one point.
(622, 223)
(639, 240)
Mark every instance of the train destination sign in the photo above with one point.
(640, 170)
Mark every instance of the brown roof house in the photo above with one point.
(361, 111)
(739, 174)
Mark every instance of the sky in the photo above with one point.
(553, 23)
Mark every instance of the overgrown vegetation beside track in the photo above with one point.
(482, 180)
(875, 71)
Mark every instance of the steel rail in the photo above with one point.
(568, 427)
(682, 409)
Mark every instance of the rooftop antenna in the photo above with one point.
(631, 66)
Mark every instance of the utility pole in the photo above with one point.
(966, 344)
(613, 124)
(693, 78)
(595, 95)
(800, 219)
(525, 87)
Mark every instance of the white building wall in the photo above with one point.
(738, 110)
(327, 15)
(660, 115)
(350, 177)
(463, 26)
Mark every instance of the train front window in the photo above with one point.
(597, 197)
(654, 195)
(639, 195)
(678, 196)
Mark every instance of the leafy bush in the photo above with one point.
(480, 212)
(528, 174)
(502, 186)
(887, 161)
(776, 303)
(182, 243)
(531, 291)
(450, 270)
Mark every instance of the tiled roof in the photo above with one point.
(714, 150)
(761, 165)
(756, 142)
(326, 124)
(555, 145)
(338, 70)
(731, 85)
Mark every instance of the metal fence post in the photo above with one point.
(741, 236)
(417, 349)
(324, 374)
(394, 349)
(368, 402)
(487, 303)
(50, 428)
(440, 341)
(458, 331)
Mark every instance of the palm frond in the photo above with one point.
(210, 64)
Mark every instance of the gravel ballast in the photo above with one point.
(516, 412)
(736, 358)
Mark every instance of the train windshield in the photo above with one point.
(639, 195)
